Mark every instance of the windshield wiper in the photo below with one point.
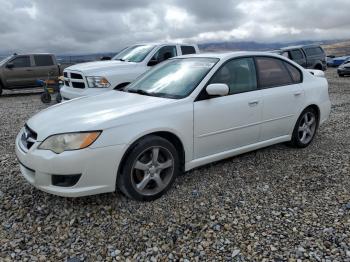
(140, 91)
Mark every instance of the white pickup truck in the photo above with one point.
(97, 77)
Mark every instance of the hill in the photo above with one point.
(337, 49)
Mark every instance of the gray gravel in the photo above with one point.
(277, 203)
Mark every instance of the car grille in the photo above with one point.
(28, 137)
(74, 80)
(78, 85)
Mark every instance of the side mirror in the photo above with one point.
(153, 62)
(10, 65)
(217, 90)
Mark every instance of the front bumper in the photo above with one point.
(97, 167)
(68, 92)
(343, 71)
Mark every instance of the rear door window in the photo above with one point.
(43, 60)
(21, 61)
(313, 51)
(186, 50)
(272, 72)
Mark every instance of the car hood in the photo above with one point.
(102, 66)
(92, 113)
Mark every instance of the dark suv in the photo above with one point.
(308, 56)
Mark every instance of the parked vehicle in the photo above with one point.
(22, 71)
(344, 68)
(186, 112)
(337, 61)
(329, 60)
(308, 56)
(102, 76)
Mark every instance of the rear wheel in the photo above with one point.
(0, 88)
(305, 128)
(149, 169)
(341, 75)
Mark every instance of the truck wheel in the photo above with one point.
(46, 98)
(318, 67)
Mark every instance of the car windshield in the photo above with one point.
(5, 60)
(134, 53)
(175, 78)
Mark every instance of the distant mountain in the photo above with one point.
(81, 58)
(75, 58)
(255, 46)
(332, 47)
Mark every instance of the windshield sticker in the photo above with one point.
(203, 64)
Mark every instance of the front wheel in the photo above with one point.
(305, 128)
(149, 169)
(59, 98)
(45, 98)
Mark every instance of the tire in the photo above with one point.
(0, 88)
(149, 170)
(341, 75)
(305, 128)
(45, 98)
(58, 98)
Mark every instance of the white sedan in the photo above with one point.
(184, 113)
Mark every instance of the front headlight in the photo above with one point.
(70, 141)
(97, 82)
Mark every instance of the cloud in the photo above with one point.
(107, 25)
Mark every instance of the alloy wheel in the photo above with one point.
(307, 127)
(152, 170)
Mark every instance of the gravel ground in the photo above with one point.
(278, 203)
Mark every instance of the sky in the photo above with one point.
(83, 26)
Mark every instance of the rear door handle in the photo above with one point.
(297, 93)
(253, 103)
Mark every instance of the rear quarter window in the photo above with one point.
(43, 60)
(272, 72)
(294, 72)
(187, 50)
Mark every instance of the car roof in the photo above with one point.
(226, 55)
(33, 54)
(163, 43)
(299, 46)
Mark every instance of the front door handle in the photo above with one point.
(297, 93)
(253, 103)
